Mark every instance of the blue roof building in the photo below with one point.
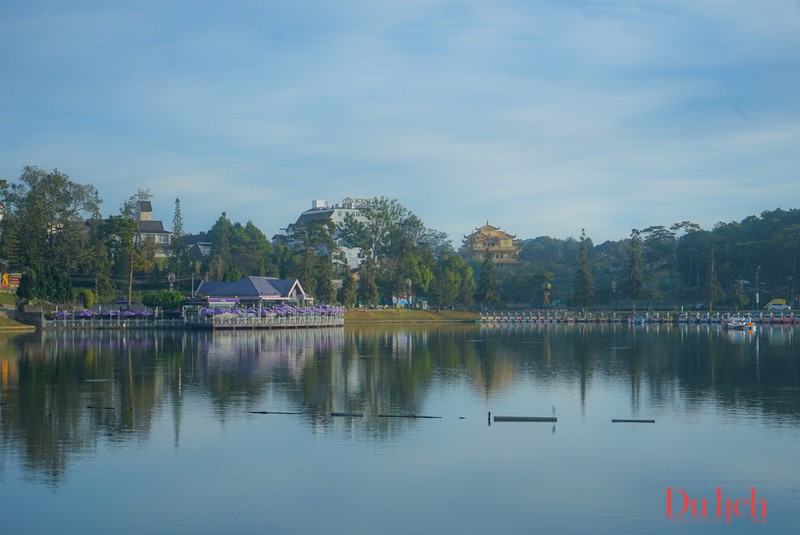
(255, 291)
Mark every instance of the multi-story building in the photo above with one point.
(500, 247)
(336, 213)
(149, 230)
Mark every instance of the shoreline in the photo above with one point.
(408, 315)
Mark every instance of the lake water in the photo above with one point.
(233, 432)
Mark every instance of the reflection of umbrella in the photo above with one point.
(251, 310)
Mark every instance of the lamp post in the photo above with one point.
(758, 272)
(614, 293)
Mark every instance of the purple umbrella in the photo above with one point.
(85, 314)
(145, 313)
(63, 314)
(128, 313)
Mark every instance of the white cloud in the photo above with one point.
(544, 117)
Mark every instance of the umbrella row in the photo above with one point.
(279, 310)
(105, 314)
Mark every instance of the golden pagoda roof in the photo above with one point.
(489, 230)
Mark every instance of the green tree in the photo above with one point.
(367, 287)
(44, 231)
(396, 243)
(738, 295)
(325, 290)
(42, 282)
(178, 261)
(86, 298)
(452, 281)
(444, 290)
(164, 299)
(712, 289)
(486, 293)
(348, 293)
(138, 254)
(583, 294)
(100, 266)
(220, 257)
(634, 272)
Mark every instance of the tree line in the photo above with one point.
(52, 233)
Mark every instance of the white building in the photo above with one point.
(334, 212)
(148, 230)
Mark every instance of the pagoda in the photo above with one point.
(501, 247)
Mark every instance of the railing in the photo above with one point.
(255, 321)
(112, 323)
(220, 321)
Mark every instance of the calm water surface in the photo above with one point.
(232, 432)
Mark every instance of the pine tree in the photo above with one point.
(367, 287)
(348, 294)
(712, 289)
(635, 268)
(177, 258)
(584, 295)
(486, 293)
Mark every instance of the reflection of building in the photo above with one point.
(255, 291)
(336, 213)
(500, 246)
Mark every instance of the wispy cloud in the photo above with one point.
(543, 117)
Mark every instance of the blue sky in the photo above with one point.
(542, 117)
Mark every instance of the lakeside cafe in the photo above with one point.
(249, 303)
(258, 303)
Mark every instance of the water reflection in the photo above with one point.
(61, 393)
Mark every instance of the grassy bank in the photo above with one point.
(9, 300)
(408, 315)
(7, 324)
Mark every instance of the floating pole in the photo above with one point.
(348, 414)
(98, 407)
(525, 419)
(405, 416)
(272, 412)
(622, 421)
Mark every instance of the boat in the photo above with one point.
(740, 324)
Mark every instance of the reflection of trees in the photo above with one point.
(69, 390)
(61, 393)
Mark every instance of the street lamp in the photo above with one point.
(758, 272)
(614, 293)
